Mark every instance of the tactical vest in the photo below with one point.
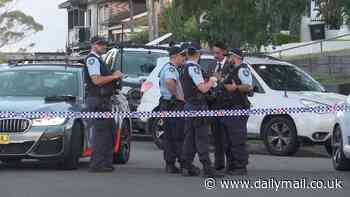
(191, 92)
(93, 90)
(236, 99)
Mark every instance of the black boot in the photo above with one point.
(219, 167)
(172, 169)
(210, 172)
(191, 170)
(229, 168)
(238, 172)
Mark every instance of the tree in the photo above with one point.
(236, 22)
(332, 12)
(14, 24)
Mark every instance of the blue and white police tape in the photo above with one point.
(178, 114)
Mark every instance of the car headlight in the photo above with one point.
(312, 104)
(48, 121)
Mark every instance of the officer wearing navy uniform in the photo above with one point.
(172, 99)
(237, 87)
(100, 88)
(196, 128)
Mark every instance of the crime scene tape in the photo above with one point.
(177, 114)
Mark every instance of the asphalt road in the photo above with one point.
(144, 176)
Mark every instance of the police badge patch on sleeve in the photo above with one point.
(171, 69)
(246, 72)
(196, 70)
(91, 61)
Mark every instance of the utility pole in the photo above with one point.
(156, 18)
(132, 22)
(154, 8)
(151, 25)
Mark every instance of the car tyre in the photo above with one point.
(123, 156)
(328, 146)
(280, 136)
(156, 127)
(340, 162)
(71, 161)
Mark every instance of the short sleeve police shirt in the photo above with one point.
(196, 74)
(169, 72)
(93, 66)
(245, 76)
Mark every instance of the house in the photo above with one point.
(88, 18)
(108, 18)
(314, 22)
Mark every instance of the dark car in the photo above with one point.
(52, 88)
(136, 63)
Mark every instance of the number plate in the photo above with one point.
(4, 138)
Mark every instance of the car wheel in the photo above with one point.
(340, 162)
(280, 136)
(123, 156)
(156, 127)
(328, 146)
(71, 161)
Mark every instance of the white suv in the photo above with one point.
(277, 84)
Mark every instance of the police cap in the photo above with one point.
(176, 51)
(236, 52)
(98, 40)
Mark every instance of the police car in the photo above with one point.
(341, 139)
(277, 84)
(52, 88)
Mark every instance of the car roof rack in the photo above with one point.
(132, 45)
(120, 45)
(47, 59)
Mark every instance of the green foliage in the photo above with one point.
(14, 24)
(139, 37)
(236, 22)
(346, 6)
(2, 58)
(279, 39)
(332, 11)
(233, 22)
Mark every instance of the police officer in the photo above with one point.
(237, 88)
(172, 99)
(196, 129)
(219, 49)
(100, 88)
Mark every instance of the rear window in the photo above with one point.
(137, 63)
(205, 63)
(39, 83)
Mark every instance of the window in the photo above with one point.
(88, 18)
(257, 87)
(75, 18)
(205, 63)
(138, 63)
(285, 77)
(39, 83)
(70, 20)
